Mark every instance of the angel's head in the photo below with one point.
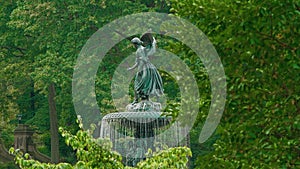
(136, 41)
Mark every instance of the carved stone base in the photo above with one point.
(144, 106)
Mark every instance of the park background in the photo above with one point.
(257, 41)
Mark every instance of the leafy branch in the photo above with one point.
(96, 153)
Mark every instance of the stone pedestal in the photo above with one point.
(23, 137)
(24, 142)
(144, 106)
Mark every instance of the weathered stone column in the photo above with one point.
(23, 141)
(23, 137)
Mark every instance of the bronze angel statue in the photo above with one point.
(147, 79)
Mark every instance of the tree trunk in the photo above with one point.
(53, 125)
(32, 95)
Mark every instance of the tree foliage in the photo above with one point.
(258, 45)
(40, 42)
(257, 42)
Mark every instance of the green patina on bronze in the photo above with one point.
(147, 80)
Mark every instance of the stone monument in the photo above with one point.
(23, 140)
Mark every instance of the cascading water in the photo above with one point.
(133, 133)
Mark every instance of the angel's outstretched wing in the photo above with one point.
(147, 39)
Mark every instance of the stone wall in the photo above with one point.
(4, 155)
(23, 141)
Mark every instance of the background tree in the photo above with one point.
(40, 42)
(257, 42)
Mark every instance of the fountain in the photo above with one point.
(133, 133)
(143, 126)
